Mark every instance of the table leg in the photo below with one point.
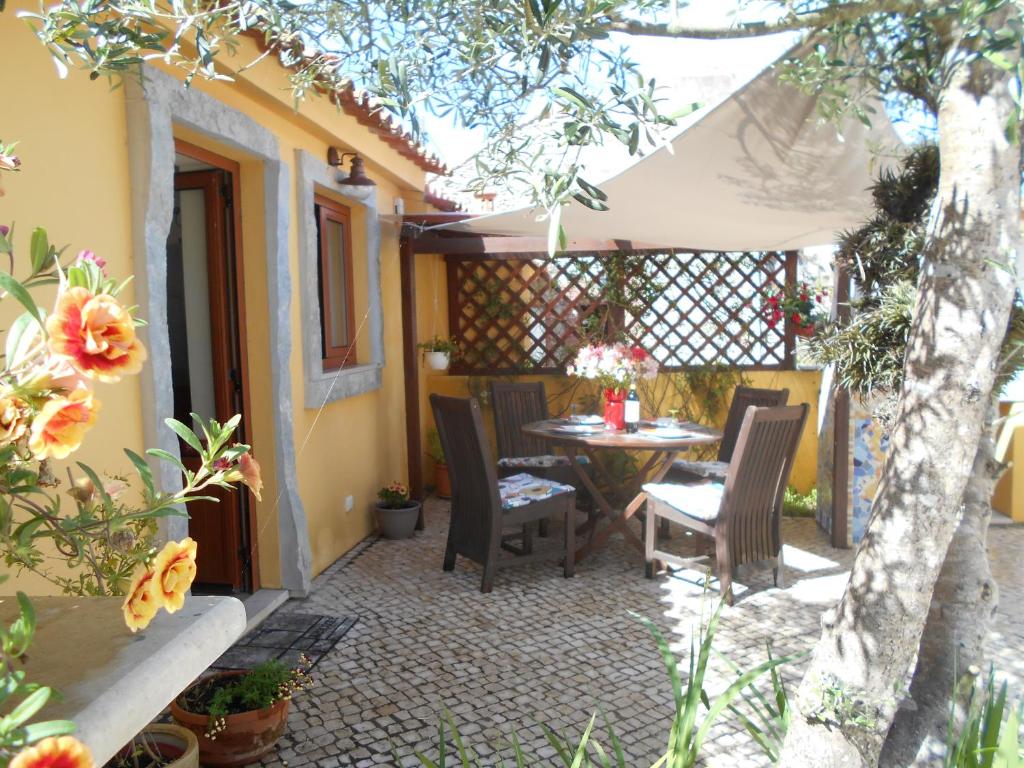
(619, 522)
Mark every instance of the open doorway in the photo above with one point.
(206, 326)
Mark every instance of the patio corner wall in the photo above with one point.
(851, 454)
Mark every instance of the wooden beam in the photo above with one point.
(413, 444)
(790, 342)
(496, 246)
(841, 433)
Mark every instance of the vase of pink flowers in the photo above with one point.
(616, 368)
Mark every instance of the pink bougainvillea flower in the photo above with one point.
(61, 424)
(5, 230)
(92, 257)
(96, 334)
(9, 162)
(14, 418)
(62, 752)
(142, 601)
(173, 572)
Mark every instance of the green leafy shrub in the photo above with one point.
(990, 735)
(796, 504)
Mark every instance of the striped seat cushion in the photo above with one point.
(538, 462)
(522, 489)
(709, 469)
(700, 501)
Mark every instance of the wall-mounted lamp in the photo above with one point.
(356, 173)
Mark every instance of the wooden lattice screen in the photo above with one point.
(530, 312)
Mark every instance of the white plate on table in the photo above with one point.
(580, 429)
(586, 419)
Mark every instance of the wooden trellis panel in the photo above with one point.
(530, 312)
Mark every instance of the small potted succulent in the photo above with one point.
(159, 745)
(396, 512)
(439, 352)
(238, 716)
(442, 483)
(795, 305)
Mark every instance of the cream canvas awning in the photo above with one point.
(758, 171)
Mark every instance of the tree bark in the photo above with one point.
(952, 649)
(849, 696)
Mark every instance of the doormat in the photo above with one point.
(286, 637)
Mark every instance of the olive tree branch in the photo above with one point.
(792, 22)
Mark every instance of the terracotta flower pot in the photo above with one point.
(442, 483)
(172, 742)
(246, 737)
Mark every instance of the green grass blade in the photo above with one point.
(581, 750)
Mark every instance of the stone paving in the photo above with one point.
(543, 648)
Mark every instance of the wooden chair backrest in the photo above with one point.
(755, 485)
(476, 504)
(742, 399)
(516, 404)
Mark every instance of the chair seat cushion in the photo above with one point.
(700, 501)
(710, 469)
(522, 489)
(538, 462)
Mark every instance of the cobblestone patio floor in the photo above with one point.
(542, 647)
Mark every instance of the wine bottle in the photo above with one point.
(632, 411)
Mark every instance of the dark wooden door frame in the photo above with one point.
(235, 278)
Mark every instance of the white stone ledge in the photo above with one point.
(113, 683)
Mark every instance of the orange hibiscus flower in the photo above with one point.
(142, 601)
(14, 418)
(174, 569)
(61, 424)
(96, 334)
(62, 752)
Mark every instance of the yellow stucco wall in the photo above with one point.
(73, 143)
(1009, 494)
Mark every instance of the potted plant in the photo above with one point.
(794, 303)
(439, 352)
(442, 483)
(238, 716)
(396, 512)
(159, 745)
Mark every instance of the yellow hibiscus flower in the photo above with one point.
(174, 570)
(61, 424)
(62, 752)
(96, 334)
(14, 418)
(142, 601)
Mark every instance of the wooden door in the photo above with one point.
(207, 364)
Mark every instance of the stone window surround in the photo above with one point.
(322, 386)
(154, 104)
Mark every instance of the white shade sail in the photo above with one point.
(758, 171)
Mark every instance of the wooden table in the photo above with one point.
(663, 451)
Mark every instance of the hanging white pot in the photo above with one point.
(438, 361)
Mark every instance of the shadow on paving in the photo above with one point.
(541, 647)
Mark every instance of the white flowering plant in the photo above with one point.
(615, 366)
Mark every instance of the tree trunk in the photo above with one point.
(952, 650)
(849, 696)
